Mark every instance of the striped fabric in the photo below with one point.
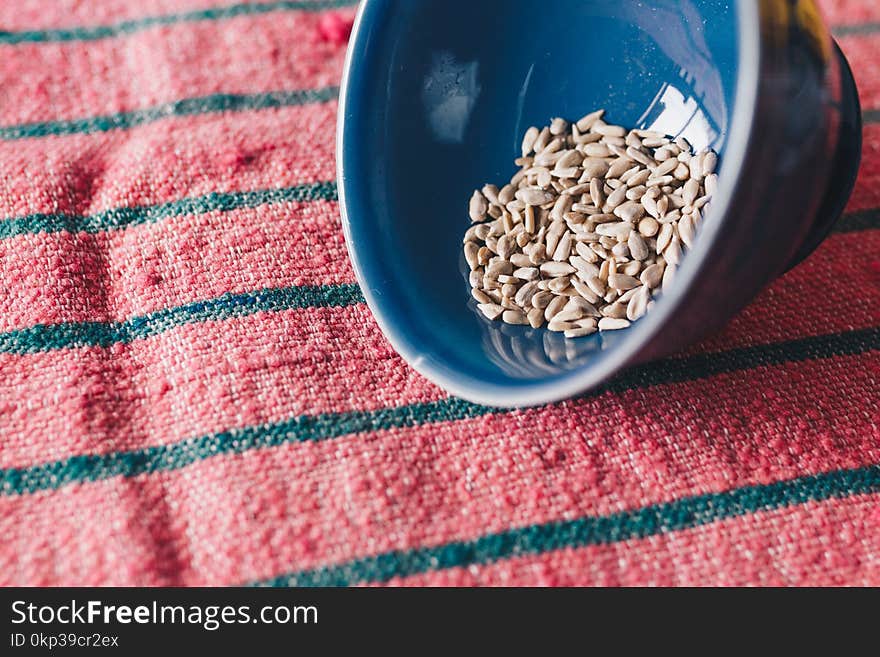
(192, 390)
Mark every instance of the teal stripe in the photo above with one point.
(48, 337)
(123, 217)
(685, 513)
(86, 468)
(857, 28)
(186, 107)
(118, 218)
(131, 26)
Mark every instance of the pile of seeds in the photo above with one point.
(593, 224)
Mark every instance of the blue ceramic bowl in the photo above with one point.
(436, 97)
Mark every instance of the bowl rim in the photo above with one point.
(581, 379)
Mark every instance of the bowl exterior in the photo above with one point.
(799, 170)
(790, 129)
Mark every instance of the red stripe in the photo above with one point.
(832, 543)
(180, 384)
(51, 14)
(250, 516)
(815, 298)
(863, 53)
(47, 14)
(850, 12)
(866, 194)
(123, 274)
(169, 160)
(181, 370)
(249, 54)
(119, 275)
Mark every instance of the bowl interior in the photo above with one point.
(438, 96)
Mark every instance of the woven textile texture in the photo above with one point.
(192, 390)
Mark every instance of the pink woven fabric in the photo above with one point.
(192, 391)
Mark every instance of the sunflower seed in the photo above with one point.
(499, 267)
(636, 193)
(590, 120)
(491, 310)
(637, 246)
(559, 327)
(638, 304)
(617, 197)
(534, 196)
(478, 207)
(570, 158)
(480, 296)
(594, 168)
(691, 191)
(538, 256)
(543, 139)
(526, 273)
(612, 324)
(597, 194)
(535, 317)
(652, 275)
(529, 139)
(553, 268)
(541, 299)
(630, 211)
(686, 230)
(506, 195)
(558, 127)
(672, 253)
(682, 172)
(698, 165)
(514, 317)
(614, 309)
(588, 138)
(618, 168)
(668, 277)
(596, 150)
(662, 205)
(710, 162)
(523, 296)
(597, 285)
(471, 254)
(584, 290)
(665, 237)
(632, 268)
(566, 315)
(620, 251)
(638, 179)
(584, 307)
(619, 231)
(711, 184)
(554, 308)
(506, 245)
(580, 332)
(622, 282)
(593, 221)
(609, 130)
(659, 181)
(640, 156)
(666, 168)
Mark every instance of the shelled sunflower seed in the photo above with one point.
(591, 227)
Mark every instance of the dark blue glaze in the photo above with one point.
(438, 93)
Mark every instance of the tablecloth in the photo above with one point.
(192, 390)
